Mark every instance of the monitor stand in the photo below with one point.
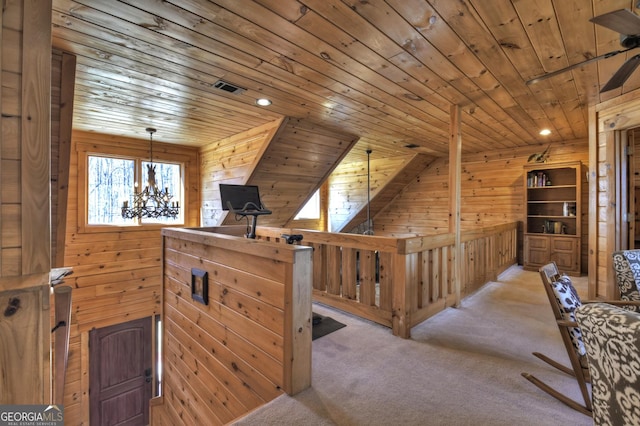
(254, 219)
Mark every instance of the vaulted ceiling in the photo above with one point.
(387, 71)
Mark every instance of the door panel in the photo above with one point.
(120, 383)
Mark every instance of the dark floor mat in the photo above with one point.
(324, 325)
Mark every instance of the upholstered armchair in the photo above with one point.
(611, 336)
(626, 264)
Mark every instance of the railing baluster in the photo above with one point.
(422, 265)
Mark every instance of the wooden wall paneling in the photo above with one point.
(239, 346)
(295, 164)
(11, 190)
(25, 335)
(348, 194)
(2, 134)
(117, 274)
(230, 161)
(24, 270)
(10, 160)
(491, 193)
(257, 358)
(606, 119)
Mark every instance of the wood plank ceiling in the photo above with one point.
(385, 70)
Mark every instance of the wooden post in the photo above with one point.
(402, 290)
(297, 371)
(455, 171)
(593, 203)
(36, 137)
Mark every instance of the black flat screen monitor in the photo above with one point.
(240, 198)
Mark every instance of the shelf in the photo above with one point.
(547, 209)
(551, 187)
(548, 234)
(541, 216)
(549, 201)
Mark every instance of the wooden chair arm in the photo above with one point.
(567, 323)
(614, 302)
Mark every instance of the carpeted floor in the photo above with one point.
(461, 367)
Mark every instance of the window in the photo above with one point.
(111, 182)
(311, 210)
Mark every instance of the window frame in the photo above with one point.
(138, 155)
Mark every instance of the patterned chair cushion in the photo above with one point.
(612, 339)
(626, 265)
(568, 302)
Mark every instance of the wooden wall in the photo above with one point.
(26, 118)
(250, 341)
(25, 231)
(295, 164)
(288, 159)
(391, 183)
(117, 270)
(492, 193)
(230, 161)
(348, 187)
(609, 122)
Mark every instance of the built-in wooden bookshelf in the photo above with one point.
(552, 223)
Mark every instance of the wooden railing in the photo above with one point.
(400, 282)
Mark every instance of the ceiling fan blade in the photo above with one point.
(623, 21)
(579, 64)
(622, 74)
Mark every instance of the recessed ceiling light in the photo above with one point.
(545, 132)
(263, 102)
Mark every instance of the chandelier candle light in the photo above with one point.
(152, 202)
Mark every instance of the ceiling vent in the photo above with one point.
(228, 87)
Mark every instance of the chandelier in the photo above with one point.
(152, 202)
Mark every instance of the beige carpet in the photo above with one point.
(461, 367)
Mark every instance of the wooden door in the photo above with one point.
(120, 360)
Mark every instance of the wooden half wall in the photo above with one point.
(241, 342)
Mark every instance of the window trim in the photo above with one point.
(84, 150)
